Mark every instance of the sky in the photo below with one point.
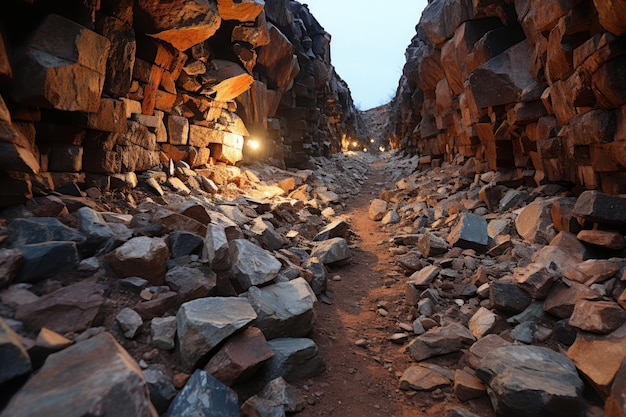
(368, 43)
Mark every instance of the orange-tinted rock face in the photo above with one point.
(532, 87)
(114, 88)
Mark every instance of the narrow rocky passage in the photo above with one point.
(364, 310)
(359, 376)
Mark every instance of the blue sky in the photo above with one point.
(368, 43)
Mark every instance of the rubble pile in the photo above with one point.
(138, 303)
(525, 285)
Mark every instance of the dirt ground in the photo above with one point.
(367, 304)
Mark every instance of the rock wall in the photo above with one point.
(533, 87)
(90, 90)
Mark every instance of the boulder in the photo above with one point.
(143, 257)
(69, 309)
(93, 377)
(252, 265)
(204, 323)
(531, 381)
(284, 309)
(204, 395)
(441, 341)
(15, 359)
(332, 251)
(240, 357)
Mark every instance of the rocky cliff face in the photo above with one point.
(533, 87)
(92, 90)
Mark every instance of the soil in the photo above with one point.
(365, 307)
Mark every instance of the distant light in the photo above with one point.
(355, 143)
(254, 144)
(371, 140)
(382, 149)
(364, 149)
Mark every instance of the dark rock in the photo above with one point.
(508, 298)
(531, 381)
(204, 395)
(93, 377)
(470, 232)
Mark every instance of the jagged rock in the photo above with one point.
(277, 394)
(245, 11)
(606, 239)
(599, 357)
(319, 279)
(69, 75)
(184, 243)
(533, 222)
(597, 316)
(191, 283)
(92, 225)
(615, 405)
(337, 228)
(15, 359)
(90, 378)
(252, 265)
(440, 19)
(536, 279)
(129, 321)
(432, 245)
(483, 347)
(423, 277)
(392, 217)
(160, 386)
(482, 323)
(377, 209)
(142, 257)
(69, 309)
(10, 262)
(270, 239)
(203, 323)
(440, 341)
(43, 260)
(284, 309)
(240, 357)
(163, 331)
(180, 23)
(470, 232)
(507, 75)
(533, 313)
(531, 381)
(216, 249)
(508, 298)
(467, 386)
(601, 208)
(42, 230)
(47, 342)
(592, 271)
(552, 255)
(204, 395)
(332, 251)
(420, 378)
(562, 298)
(161, 303)
(294, 359)
(572, 246)
(608, 13)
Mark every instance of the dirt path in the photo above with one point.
(352, 333)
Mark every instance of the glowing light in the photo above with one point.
(364, 149)
(382, 149)
(371, 140)
(355, 143)
(254, 144)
